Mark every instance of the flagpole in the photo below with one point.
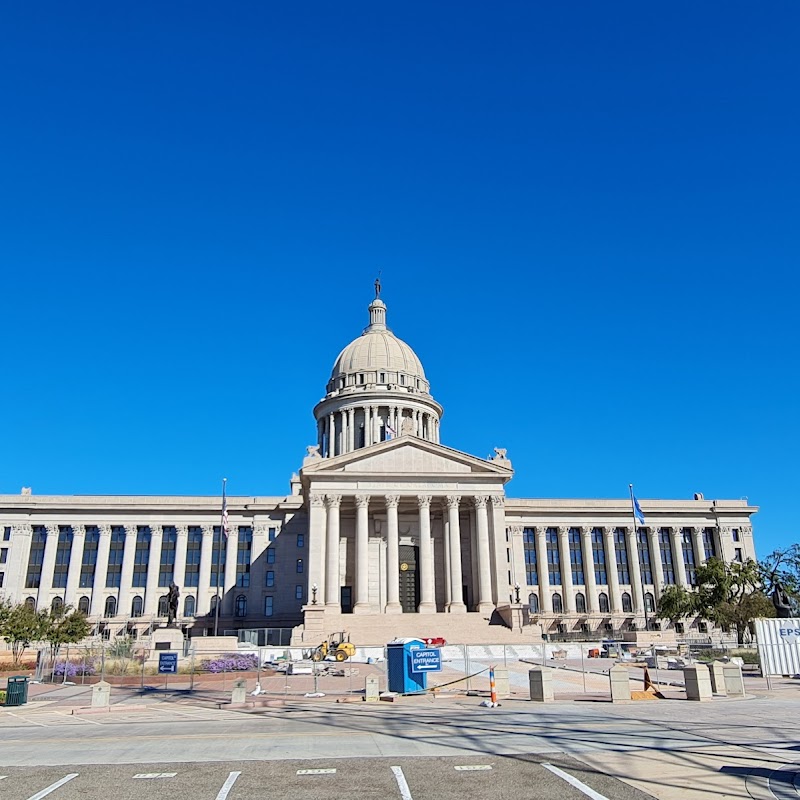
(638, 558)
(219, 555)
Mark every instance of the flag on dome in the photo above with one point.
(390, 431)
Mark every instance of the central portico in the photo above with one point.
(406, 526)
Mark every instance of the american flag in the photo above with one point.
(224, 511)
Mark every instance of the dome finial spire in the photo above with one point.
(377, 310)
(378, 285)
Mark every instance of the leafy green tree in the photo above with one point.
(65, 626)
(676, 603)
(19, 626)
(732, 595)
(783, 566)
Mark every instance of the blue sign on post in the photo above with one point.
(428, 659)
(167, 663)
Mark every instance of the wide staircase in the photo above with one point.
(368, 629)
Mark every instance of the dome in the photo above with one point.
(378, 357)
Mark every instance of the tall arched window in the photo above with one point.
(137, 606)
(111, 607)
(533, 603)
(188, 606)
(627, 606)
(649, 603)
(558, 607)
(603, 603)
(580, 603)
(163, 606)
(83, 605)
(214, 603)
(30, 602)
(241, 606)
(57, 605)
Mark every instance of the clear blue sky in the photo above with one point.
(586, 217)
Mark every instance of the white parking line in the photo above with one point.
(316, 772)
(473, 767)
(579, 785)
(405, 792)
(53, 787)
(228, 785)
(151, 775)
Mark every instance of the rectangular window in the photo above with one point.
(273, 532)
(63, 552)
(621, 550)
(35, 557)
(270, 578)
(299, 565)
(2, 578)
(115, 554)
(553, 557)
(4, 555)
(270, 555)
(194, 546)
(708, 543)
(166, 569)
(89, 560)
(301, 540)
(738, 556)
(576, 556)
(269, 603)
(735, 533)
(298, 591)
(218, 556)
(7, 533)
(529, 550)
(599, 557)
(646, 567)
(243, 554)
(666, 556)
(688, 556)
(141, 557)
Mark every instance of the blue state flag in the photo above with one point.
(637, 511)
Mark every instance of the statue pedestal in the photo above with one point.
(168, 640)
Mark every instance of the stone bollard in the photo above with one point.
(372, 691)
(101, 695)
(239, 692)
(734, 683)
(501, 682)
(697, 679)
(717, 677)
(620, 681)
(541, 685)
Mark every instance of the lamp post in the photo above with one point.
(313, 594)
(516, 592)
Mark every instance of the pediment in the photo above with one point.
(407, 456)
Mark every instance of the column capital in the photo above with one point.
(316, 499)
(516, 530)
(131, 529)
(182, 530)
(586, 531)
(498, 501)
(208, 530)
(156, 530)
(105, 530)
(362, 500)
(261, 529)
(392, 500)
(480, 500)
(453, 500)
(53, 529)
(78, 529)
(423, 501)
(22, 528)
(333, 500)
(563, 531)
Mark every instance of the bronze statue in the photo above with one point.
(172, 603)
(780, 599)
(377, 287)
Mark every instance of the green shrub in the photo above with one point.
(2, 697)
(747, 656)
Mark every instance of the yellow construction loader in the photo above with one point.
(337, 645)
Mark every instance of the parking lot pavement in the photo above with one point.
(498, 778)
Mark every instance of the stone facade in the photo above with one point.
(382, 520)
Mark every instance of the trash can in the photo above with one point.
(401, 677)
(17, 690)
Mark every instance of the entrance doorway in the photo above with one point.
(409, 578)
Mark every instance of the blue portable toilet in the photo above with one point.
(398, 658)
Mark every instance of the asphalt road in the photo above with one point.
(454, 778)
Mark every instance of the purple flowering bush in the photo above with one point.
(71, 669)
(230, 662)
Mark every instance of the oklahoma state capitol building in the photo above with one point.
(385, 532)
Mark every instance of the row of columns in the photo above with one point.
(337, 430)
(126, 591)
(325, 537)
(634, 566)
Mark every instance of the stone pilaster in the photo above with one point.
(332, 590)
(566, 570)
(101, 571)
(485, 604)
(362, 604)
(392, 556)
(456, 580)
